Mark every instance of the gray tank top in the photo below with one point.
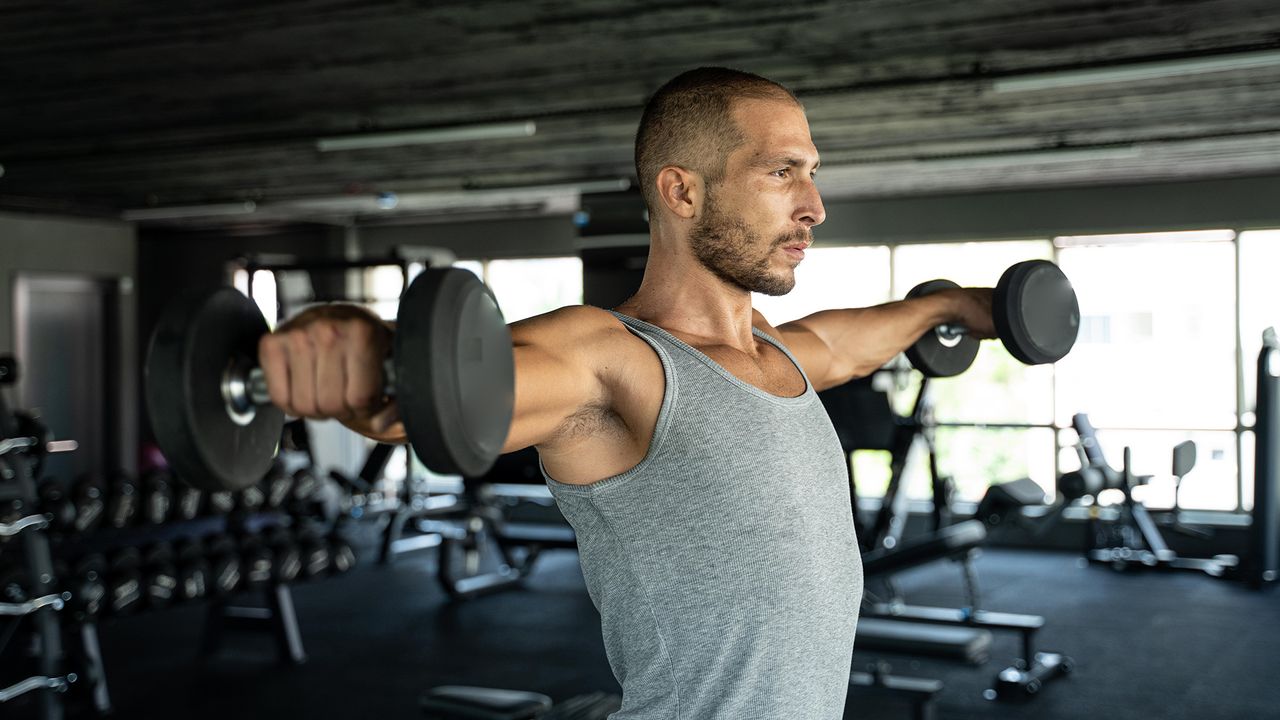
(724, 565)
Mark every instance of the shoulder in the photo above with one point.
(587, 336)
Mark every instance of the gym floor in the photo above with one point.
(1146, 646)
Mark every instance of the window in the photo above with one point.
(525, 288)
(1167, 356)
(844, 277)
(1259, 306)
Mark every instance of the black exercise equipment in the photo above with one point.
(285, 553)
(224, 563)
(968, 629)
(221, 502)
(87, 584)
(57, 504)
(1037, 318)
(314, 552)
(456, 702)
(91, 507)
(1262, 562)
(160, 576)
(257, 563)
(187, 502)
(342, 557)
(157, 498)
(277, 485)
(452, 374)
(1134, 540)
(194, 573)
(124, 582)
(122, 502)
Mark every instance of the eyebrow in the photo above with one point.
(772, 161)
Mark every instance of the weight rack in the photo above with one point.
(19, 454)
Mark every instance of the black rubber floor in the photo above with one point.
(1146, 646)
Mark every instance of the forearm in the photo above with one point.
(860, 341)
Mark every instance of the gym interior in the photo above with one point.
(1094, 532)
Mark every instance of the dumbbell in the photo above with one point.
(342, 556)
(257, 561)
(91, 507)
(251, 499)
(452, 374)
(88, 588)
(125, 592)
(194, 572)
(122, 502)
(160, 576)
(1036, 313)
(187, 502)
(225, 566)
(57, 504)
(278, 485)
(221, 502)
(288, 559)
(315, 553)
(157, 498)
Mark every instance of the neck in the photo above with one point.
(680, 295)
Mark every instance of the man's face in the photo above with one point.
(756, 222)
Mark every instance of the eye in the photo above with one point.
(782, 173)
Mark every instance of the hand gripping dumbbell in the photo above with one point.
(452, 374)
(1036, 316)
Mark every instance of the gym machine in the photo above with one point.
(1262, 562)
(1134, 540)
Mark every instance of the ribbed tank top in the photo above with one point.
(724, 565)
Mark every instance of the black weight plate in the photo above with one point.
(196, 340)
(455, 372)
(932, 354)
(1036, 312)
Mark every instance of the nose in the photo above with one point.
(810, 211)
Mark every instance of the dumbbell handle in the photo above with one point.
(245, 387)
(950, 334)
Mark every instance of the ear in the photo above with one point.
(680, 190)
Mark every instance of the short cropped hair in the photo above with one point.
(689, 123)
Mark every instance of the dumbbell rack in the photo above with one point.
(18, 458)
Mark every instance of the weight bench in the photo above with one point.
(457, 702)
(896, 626)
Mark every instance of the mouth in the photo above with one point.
(795, 250)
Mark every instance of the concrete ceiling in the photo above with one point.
(128, 105)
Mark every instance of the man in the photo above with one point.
(681, 434)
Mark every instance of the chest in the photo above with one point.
(769, 369)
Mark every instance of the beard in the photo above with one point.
(738, 255)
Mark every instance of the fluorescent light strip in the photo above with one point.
(462, 133)
(1138, 71)
(178, 212)
(1066, 241)
(1038, 157)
